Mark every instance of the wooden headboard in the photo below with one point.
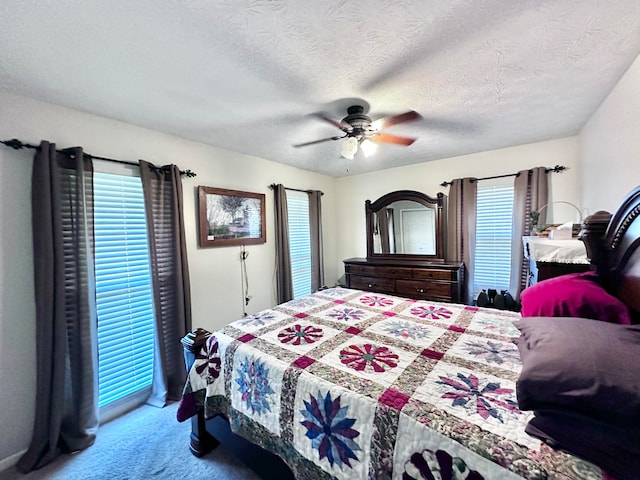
(615, 254)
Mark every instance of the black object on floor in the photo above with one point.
(492, 299)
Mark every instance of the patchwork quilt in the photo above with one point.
(350, 384)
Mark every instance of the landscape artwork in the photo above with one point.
(230, 217)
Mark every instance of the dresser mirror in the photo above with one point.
(405, 225)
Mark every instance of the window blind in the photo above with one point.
(493, 237)
(123, 288)
(299, 242)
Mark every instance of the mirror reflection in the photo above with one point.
(405, 227)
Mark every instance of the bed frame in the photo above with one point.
(611, 242)
(201, 441)
(613, 250)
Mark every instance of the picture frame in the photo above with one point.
(230, 217)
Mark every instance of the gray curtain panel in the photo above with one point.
(284, 283)
(66, 416)
(530, 193)
(461, 229)
(315, 232)
(170, 277)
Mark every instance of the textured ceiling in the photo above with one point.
(245, 75)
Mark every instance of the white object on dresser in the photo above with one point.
(541, 249)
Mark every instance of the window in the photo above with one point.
(123, 288)
(493, 236)
(299, 242)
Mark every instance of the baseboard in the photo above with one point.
(11, 460)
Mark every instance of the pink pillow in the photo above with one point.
(573, 295)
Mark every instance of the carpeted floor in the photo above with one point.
(146, 443)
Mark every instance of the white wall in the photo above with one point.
(427, 177)
(610, 145)
(215, 272)
(17, 307)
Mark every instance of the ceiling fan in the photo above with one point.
(360, 131)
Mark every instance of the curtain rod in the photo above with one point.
(556, 169)
(273, 186)
(18, 145)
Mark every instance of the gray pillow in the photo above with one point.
(580, 365)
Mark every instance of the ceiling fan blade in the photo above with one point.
(387, 122)
(386, 138)
(335, 123)
(316, 141)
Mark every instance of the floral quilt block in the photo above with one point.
(345, 314)
(207, 372)
(490, 351)
(304, 304)
(414, 333)
(478, 398)
(333, 426)
(376, 301)
(421, 453)
(260, 320)
(496, 322)
(370, 360)
(300, 336)
(441, 313)
(337, 292)
(256, 387)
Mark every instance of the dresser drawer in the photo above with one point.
(390, 272)
(373, 284)
(438, 281)
(450, 275)
(421, 289)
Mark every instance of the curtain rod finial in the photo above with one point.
(14, 143)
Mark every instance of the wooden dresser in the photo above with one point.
(421, 280)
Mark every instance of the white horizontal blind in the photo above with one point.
(123, 287)
(493, 237)
(299, 242)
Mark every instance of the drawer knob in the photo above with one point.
(369, 285)
(420, 290)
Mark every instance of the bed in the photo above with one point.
(352, 384)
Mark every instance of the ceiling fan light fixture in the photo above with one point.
(359, 130)
(368, 147)
(349, 148)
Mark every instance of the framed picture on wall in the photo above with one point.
(230, 217)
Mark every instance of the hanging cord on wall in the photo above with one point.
(246, 298)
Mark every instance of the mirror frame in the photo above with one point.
(399, 195)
